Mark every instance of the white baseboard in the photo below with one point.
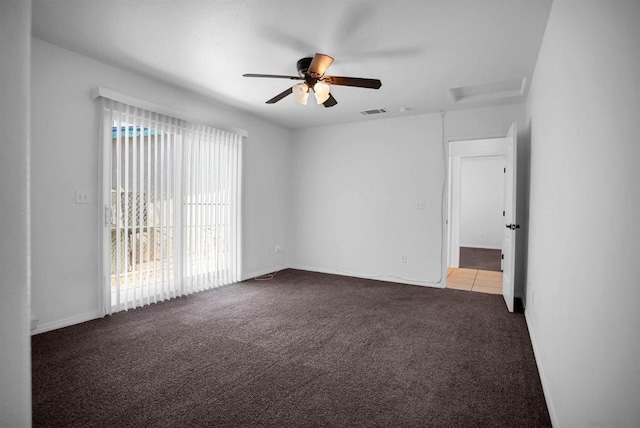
(54, 325)
(543, 378)
(34, 322)
(66, 322)
(261, 272)
(386, 278)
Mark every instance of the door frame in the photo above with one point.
(459, 149)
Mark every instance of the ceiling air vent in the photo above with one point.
(374, 111)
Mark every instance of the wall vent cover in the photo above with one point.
(374, 111)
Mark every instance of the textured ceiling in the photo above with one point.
(419, 49)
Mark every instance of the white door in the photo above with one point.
(509, 241)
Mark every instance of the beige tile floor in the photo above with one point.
(482, 281)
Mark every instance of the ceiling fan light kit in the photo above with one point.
(321, 91)
(312, 71)
(301, 93)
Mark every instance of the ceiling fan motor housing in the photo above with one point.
(303, 65)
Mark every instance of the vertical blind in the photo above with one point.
(172, 206)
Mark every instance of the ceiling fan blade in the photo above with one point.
(274, 76)
(353, 81)
(330, 101)
(319, 64)
(280, 96)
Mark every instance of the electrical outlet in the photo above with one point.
(82, 197)
(278, 249)
(420, 205)
(403, 258)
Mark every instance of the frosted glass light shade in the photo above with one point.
(301, 93)
(321, 91)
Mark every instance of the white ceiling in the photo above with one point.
(419, 49)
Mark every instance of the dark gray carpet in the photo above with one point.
(480, 258)
(303, 350)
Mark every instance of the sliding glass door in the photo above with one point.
(172, 207)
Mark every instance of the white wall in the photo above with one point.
(583, 291)
(481, 202)
(65, 158)
(15, 348)
(356, 188)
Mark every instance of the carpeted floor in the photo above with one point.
(480, 258)
(302, 350)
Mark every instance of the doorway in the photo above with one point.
(476, 209)
(480, 212)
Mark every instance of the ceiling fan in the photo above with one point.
(312, 72)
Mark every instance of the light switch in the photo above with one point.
(82, 197)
